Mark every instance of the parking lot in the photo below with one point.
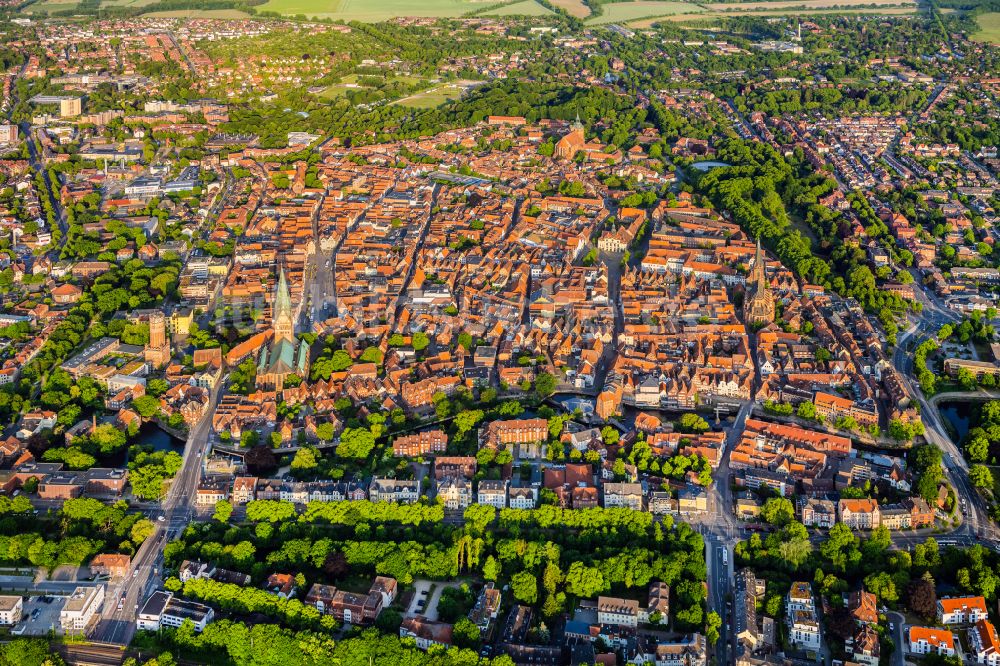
(39, 617)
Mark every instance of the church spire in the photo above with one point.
(759, 270)
(282, 310)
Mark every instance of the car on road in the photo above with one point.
(892, 627)
(160, 518)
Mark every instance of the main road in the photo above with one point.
(124, 597)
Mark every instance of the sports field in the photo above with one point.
(989, 28)
(372, 10)
(623, 12)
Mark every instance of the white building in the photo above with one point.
(927, 640)
(620, 612)
(984, 643)
(492, 493)
(961, 610)
(803, 626)
(10, 609)
(80, 609)
(522, 498)
(162, 609)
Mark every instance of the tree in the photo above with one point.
(223, 511)
(980, 476)
(306, 460)
(147, 406)
(491, 569)
(141, 530)
(610, 435)
(467, 419)
(524, 586)
(583, 581)
(712, 625)
(882, 586)
(690, 422)
(778, 511)
(420, 341)
(465, 341)
(371, 355)
(978, 448)
(922, 596)
(356, 443)
(465, 634)
(545, 384)
(967, 379)
(806, 410)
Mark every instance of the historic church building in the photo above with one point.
(758, 304)
(286, 355)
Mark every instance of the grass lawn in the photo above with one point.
(989, 28)
(623, 12)
(523, 8)
(370, 10)
(432, 97)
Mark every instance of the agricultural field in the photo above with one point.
(989, 28)
(63, 5)
(371, 11)
(575, 8)
(803, 4)
(199, 13)
(523, 8)
(623, 12)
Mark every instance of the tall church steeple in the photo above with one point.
(284, 327)
(759, 277)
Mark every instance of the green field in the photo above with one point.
(989, 28)
(623, 12)
(199, 13)
(372, 10)
(433, 97)
(63, 5)
(523, 8)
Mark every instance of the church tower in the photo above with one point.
(284, 327)
(758, 308)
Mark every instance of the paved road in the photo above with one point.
(117, 621)
(934, 315)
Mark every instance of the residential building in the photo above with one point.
(859, 514)
(402, 491)
(455, 492)
(961, 610)
(800, 612)
(615, 611)
(628, 495)
(419, 444)
(865, 648)
(984, 644)
(492, 493)
(927, 640)
(426, 632)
